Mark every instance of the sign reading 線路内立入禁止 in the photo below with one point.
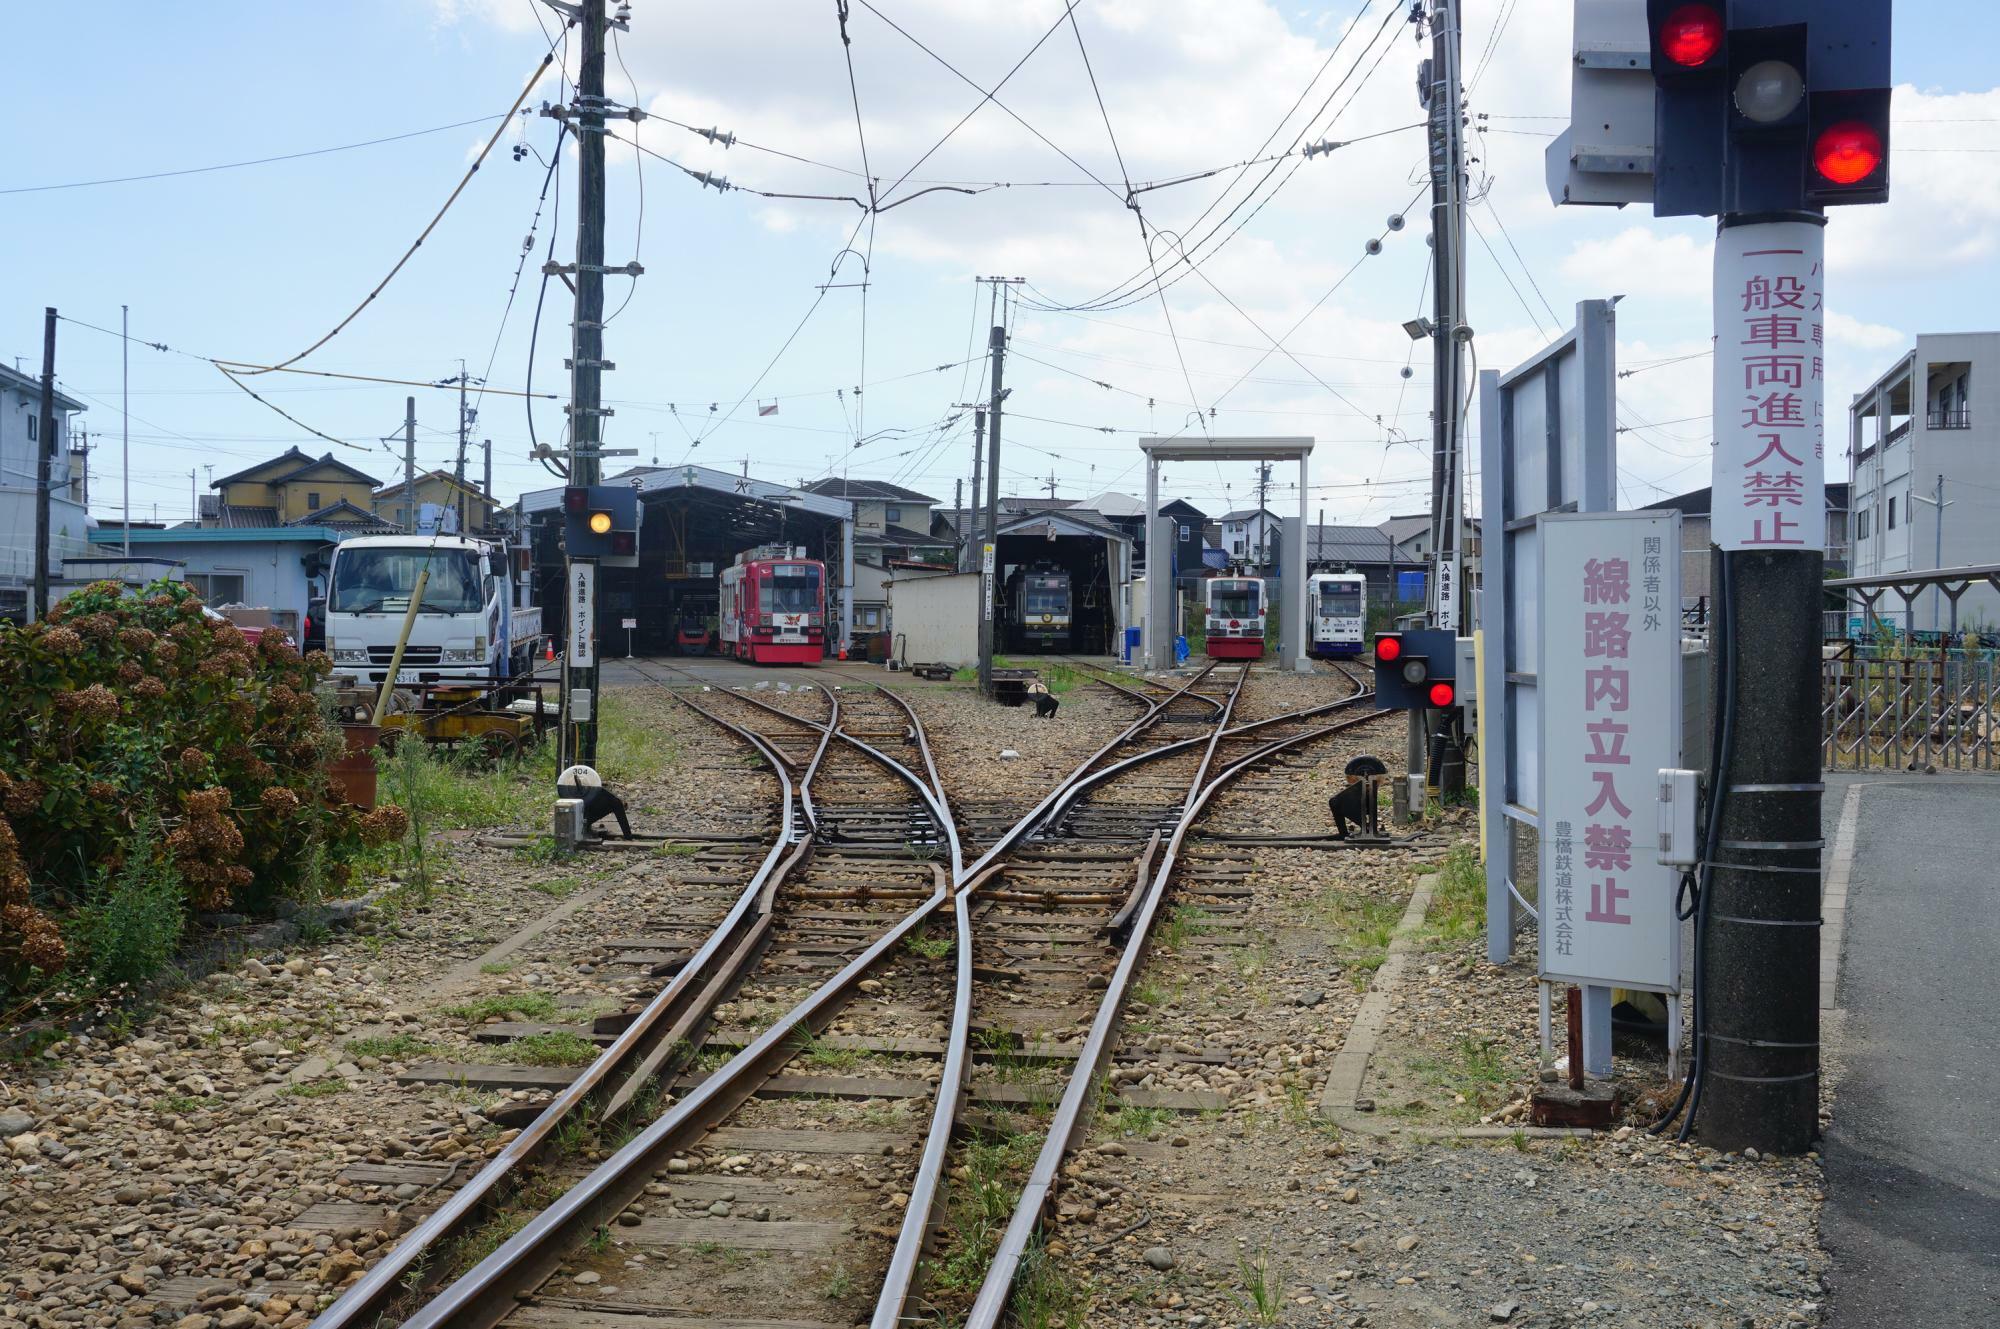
(1770, 387)
(1610, 679)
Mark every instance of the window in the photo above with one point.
(1184, 534)
(217, 588)
(870, 618)
(1892, 513)
(1237, 548)
(312, 500)
(892, 514)
(34, 426)
(379, 580)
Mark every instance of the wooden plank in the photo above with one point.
(572, 1313)
(506, 1031)
(783, 1140)
(399, 1173)
(740, 1234)
(829, 1086)
(342, 1216)
(1171, 1100)
(489, 1077)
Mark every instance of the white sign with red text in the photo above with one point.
(1770, 387)
(1610, 679)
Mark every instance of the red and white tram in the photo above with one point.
(1236, 618)
(774, 607)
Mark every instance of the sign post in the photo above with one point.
(1611, 652)
(580, 651)
(629, 624)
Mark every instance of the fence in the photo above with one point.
(1939, 711)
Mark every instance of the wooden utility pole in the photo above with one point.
(410, 465)
(44, 446)
(990, 551)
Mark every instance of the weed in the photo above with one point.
(1131, 1119)
(313, 930)
(1519, 1139)
(1473, 1069)
(179, 1104)
(1263, 1288)
(497, 967)
(1046, 1294)
(522, 1005)
(491, 1236)
(815, 1051)
(839, 1284)
(1458, 905)
(327, 1087)
(678, 850)
(559, 888)
(577, 1131)
(130, 931)
(931, 948)
(557, 1047)
(600, 1240)
(390, 1047)
(979, 1207)
(1183, 924)
(1148, 993)
(541, 849)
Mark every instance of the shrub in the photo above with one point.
(116, 709)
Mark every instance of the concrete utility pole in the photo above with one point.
(1262, 548)
(587, 363)
(990, 552)
(44, 446)
(968, 550)
(1448, 189)
(486, 488)
(1939, 504)
(125, 392)
(410, 465)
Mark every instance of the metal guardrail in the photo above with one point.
(1933, 712)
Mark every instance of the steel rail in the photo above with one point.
(363, 1301)
(485, 1294)
(990, 1306)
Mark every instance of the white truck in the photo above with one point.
(474, 627)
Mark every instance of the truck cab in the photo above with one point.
(474, 626)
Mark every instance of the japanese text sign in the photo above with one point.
(582, 649)
(1770, 387)
(1610, 677)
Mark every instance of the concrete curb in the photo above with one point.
(1350, 1066)
(1833, 898)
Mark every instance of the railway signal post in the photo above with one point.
(1765, 113)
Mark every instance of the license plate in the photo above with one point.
(407, 676)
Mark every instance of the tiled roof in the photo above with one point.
(835, 487)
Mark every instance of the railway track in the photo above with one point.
(871, 1001)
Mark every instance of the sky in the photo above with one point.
(863, 330)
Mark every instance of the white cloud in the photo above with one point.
(1851, 331)
(1642, 261)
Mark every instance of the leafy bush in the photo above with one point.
(129, 933)
(115, 705)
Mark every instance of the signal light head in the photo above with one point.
(600, 523)
(1847, 153)
(624, 542)
(1769, 91)
(1443, 694)
(1388, 649)
(1415, 671)
(575, 498)
(1692, 35)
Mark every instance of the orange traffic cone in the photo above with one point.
(843, 653)
(549, 648)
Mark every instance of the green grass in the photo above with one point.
(1046, 1293)
(497, 967)
(931, 948)
(679, 850)
(1360, 927)
(817, 1053)
(180, 1104)
(318, 1088)
(1129, 1119)
(390, 1047)
(839, 1284)
(629, 746)
(560, 888)
(1457, 911)
(524, 1005)
(1263, 1292)
(1472, 1068)
(1181, 926)
(557, 1047)
(978, 1208)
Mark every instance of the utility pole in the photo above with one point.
(1263, 547)
(1052, 482)
(43, 446)
(1443, 97)
(125, 393)
(486, 488)
(990, 552)
(1319, 543)
(410, 465)
(586, 116)
(969, 516)
(1939, 503)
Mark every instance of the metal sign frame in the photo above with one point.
(1548, 442)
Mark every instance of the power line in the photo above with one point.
(254, 161)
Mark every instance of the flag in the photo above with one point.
(772, 409)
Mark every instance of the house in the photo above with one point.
(1928, 429)
(292, 489)
(1696, 553)
(1394, 576)
(476, 509)
(20, 440)
(892, 533)
(279, 568)
(1251, 536)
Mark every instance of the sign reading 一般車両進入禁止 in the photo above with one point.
(1610, 679)
(582, 614)
(1770, 387)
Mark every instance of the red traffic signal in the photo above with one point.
(1443, 694)
(1388, 648)
(1847, 153)
(576, 499)
(1692, 35)
(624, 543)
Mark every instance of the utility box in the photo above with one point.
(1605, 157)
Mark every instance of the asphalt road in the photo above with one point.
(1913, 1158)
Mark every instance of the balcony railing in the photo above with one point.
(1957, 418)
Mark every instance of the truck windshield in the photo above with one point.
(1343, 601)
(378, 580)
(1237, 601)
(792, 590)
